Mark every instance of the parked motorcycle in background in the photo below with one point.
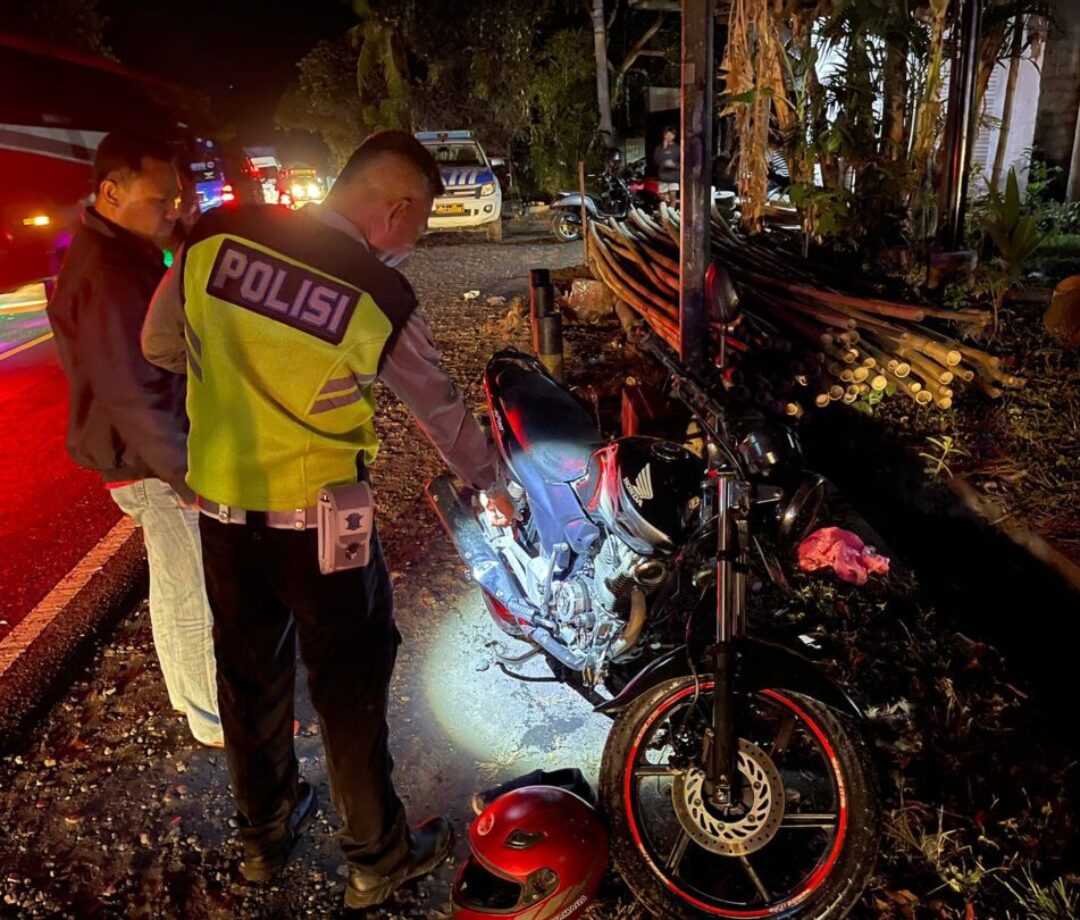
(614, 198)
(734, 778)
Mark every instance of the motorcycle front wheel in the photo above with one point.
(566, 226)
(803, 840)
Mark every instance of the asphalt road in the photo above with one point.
(51, 511)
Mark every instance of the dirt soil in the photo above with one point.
(110, 810)
(1022, 450)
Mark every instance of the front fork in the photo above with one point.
(723, 780)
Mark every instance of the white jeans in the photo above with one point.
(179, 611)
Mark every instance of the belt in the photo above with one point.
(300, 519)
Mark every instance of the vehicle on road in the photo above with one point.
(473, 196)
(299, 186)
(219, 181)
(49, 132)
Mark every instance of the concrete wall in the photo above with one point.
(1022, 124)
(1055, 124)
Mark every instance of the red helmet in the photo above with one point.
(535, 852)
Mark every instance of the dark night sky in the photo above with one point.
(241, 53)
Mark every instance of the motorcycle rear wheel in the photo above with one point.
(813, 841)
(566, 226)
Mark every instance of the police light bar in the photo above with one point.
(443, 136)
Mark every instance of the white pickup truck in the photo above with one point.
(473, 197)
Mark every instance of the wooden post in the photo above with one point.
(695, 177)
(584, 210)
(961, 125)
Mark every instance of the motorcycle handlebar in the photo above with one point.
(691, 388)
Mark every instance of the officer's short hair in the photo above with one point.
(398, 143)
(122, 151)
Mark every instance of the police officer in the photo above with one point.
(283, 321)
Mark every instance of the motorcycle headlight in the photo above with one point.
(488, 188)
(770, 449)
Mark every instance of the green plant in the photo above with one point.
(944, 850)
(1014, 236)
(1041, 179)
(936, 464)
(565, 123)
(1060, 217)
(956, 296)
(1060, 900)
(867, 403)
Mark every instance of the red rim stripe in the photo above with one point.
(819, 875)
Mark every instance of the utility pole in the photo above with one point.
(603, 91)
(695, 179)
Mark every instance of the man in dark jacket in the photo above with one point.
(126, 417)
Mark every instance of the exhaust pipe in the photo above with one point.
(488, 570)
(632, 632)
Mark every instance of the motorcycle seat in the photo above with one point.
(555, 430)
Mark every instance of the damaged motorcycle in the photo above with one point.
(734, 778)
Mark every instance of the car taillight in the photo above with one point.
(227, 193)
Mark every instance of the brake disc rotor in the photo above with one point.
(763, 798)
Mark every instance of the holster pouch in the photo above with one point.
(345, 522)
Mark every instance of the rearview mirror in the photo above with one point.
(720, 294)
(497, 161)
(800, 514)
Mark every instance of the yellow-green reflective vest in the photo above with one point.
(287, 321)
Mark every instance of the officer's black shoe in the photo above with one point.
(263, 864)
(429, 844)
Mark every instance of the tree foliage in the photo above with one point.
(519, 73)
(566, 124)
(382, 75)
(324, 100)
(75, 24)
(865, 80)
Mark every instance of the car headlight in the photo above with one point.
(313, 190)
(488, 188)
(298, 191)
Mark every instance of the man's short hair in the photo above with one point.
(122, 151)
(400, 144)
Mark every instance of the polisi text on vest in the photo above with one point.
(282, 291)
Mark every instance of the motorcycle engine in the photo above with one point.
(591, 609)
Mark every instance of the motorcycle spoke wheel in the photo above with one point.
(771, 859)
(566, 228)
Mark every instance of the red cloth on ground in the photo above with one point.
(844, 552)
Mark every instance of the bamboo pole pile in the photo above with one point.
(803, 338)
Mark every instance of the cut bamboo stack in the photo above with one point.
(828, 344)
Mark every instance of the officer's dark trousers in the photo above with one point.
(266, 591)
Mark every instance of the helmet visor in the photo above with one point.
(480, 890)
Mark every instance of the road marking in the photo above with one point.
(22, 306)
(35, 622)
(10, 353)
